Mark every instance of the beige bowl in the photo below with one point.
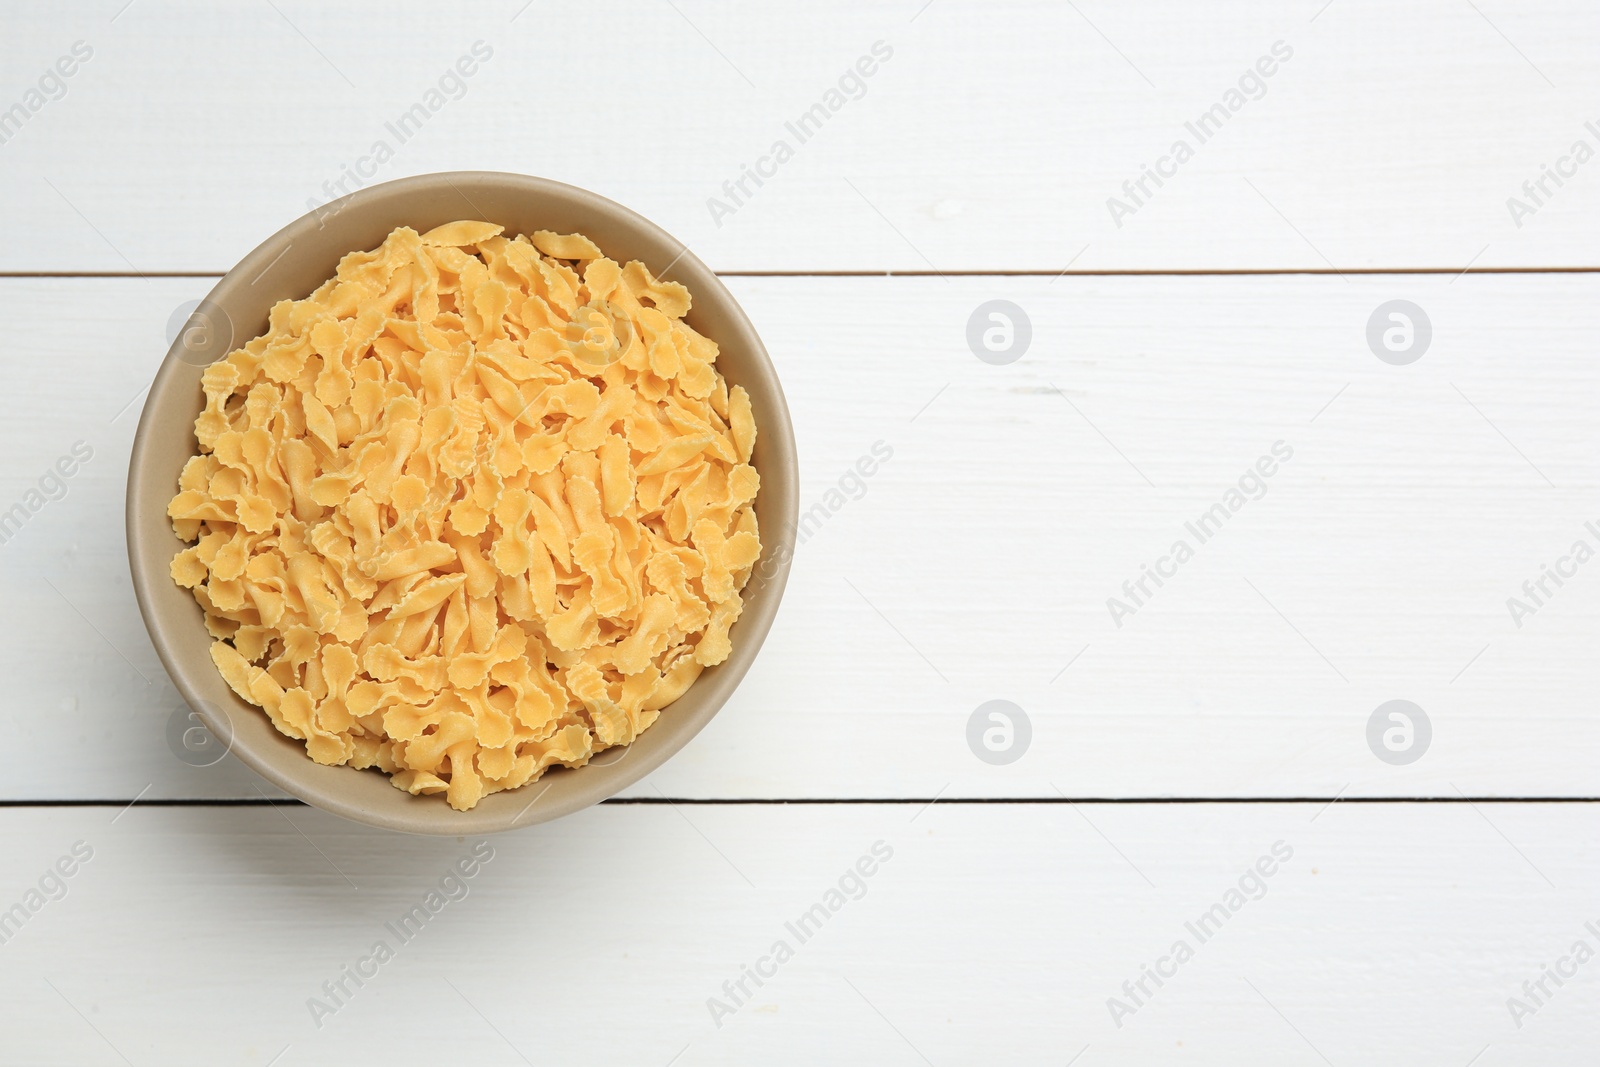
(289, 265)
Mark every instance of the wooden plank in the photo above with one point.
(989, 934)
(977, 561)
(993, 138)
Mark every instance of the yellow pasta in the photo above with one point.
(477, 507)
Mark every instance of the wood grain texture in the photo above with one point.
(977, 561)
(992, 138)
(990, 934)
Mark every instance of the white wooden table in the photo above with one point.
(1198, 857)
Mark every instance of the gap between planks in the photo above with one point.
(1240, 272)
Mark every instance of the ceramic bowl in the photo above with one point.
(292, 263)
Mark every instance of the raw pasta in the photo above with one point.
(476, 507)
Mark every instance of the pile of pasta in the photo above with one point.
(476, 507)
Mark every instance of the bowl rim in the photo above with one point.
(777, 440)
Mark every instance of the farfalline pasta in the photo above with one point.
(476, 507)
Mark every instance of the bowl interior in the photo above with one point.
(292, 263)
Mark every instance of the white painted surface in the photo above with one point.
(992, 539)
(1393, 935)
(974, 566)
(991, 139)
